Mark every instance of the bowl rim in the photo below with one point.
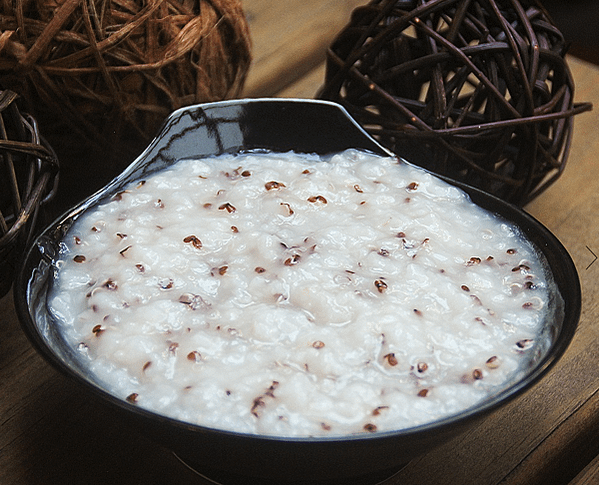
(553, 355)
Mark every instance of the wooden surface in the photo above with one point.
(51, 434)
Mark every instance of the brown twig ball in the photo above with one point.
(476, 90)
(104, 74)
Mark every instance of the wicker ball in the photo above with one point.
(27, 183)
(100, 76)
(478, 91)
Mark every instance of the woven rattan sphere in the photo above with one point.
(102, 75)
(28, 173)
(476, 90)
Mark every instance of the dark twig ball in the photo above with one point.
(475, 90)
(28, 175)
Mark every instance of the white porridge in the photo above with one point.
(278, 294)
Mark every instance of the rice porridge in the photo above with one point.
(284, 295)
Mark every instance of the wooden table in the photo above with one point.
(51, 434)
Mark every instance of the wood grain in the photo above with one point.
(290, 39)
(588, 476)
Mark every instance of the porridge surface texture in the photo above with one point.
(280, 294)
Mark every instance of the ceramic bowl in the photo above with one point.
(227, 457)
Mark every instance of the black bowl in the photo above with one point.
(281, 125)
